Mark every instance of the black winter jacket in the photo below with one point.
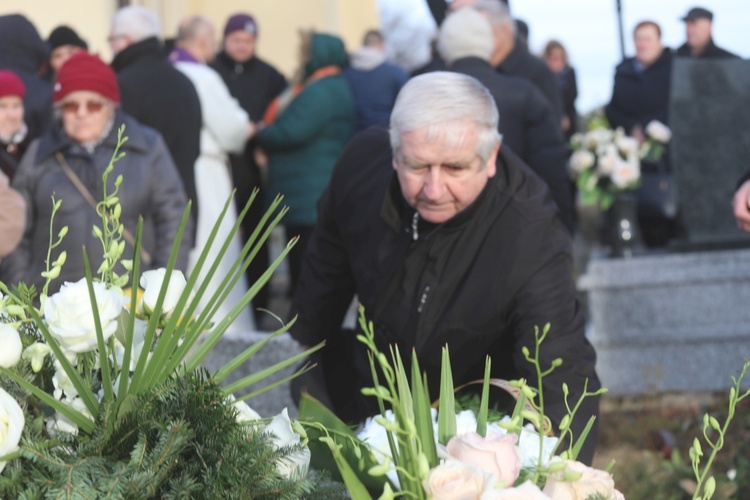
(158, 95)
(520, 62)
(480, 282)
(151, 188)
(24, 52)
(529, 128)
(712, 51)
(641, 96)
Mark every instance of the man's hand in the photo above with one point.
(740, 204)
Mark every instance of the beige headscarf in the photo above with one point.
(12, 217)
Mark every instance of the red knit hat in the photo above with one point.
(11, 84)
(84, 71)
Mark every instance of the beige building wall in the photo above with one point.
(278, 20)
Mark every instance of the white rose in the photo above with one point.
(10, 346)
(71, 320)
(596, 137)
(608, 158)
(60, 423)
(525, 491)
(658, 131)
(627, 145)
(296, 464)
(581, 159)
(454, 479)
(152, 282)
(36, 353)
(244, 412)
(62, 383)
(12, 422)
(139, 334)
(625, 173)
(466, 422)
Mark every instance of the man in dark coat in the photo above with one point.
(154, 92)
(461, 245)
(700, 44)
(512, 57)
(527, 123)
(374, 81)
(24, 52)
(255, 84)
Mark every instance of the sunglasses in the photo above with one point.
(73, 106)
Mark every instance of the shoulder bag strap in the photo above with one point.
(145, 256)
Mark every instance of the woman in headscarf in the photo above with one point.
(304, 132)
(68, 161)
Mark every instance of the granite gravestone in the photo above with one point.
(710, 149)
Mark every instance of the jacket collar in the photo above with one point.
(469, 62)
(149, 49)
(57, 140)
(236, 67)
(514, 60)
(629, 65)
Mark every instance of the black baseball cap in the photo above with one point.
(698, 13)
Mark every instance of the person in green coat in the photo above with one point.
(304, 132)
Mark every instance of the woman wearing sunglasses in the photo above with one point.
(68, 161)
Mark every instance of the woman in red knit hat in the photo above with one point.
(12, 143)
(13, 130)
(69, 160)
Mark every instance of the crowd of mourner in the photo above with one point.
(440, 197)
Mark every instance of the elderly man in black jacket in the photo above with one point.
(445, 238)
(527, 123)
(154, 92)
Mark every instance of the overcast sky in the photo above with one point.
(588, 29)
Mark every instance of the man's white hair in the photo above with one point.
(443, 102)
(136, 22)
(497, 13)
(465, 33)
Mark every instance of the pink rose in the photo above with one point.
(591, 483)
(495, 454)
(456, 481)
(526, 491)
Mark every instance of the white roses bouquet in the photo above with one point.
(94, 375)
(604, 163)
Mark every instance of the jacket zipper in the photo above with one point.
(414, 226)
(423, 299)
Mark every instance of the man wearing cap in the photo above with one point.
(700, 44)
(154, 92)
(63, 43)
(255, 84)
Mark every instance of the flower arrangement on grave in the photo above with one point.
(102, 393)
(417, 450)
(607, 162)
(604, 163)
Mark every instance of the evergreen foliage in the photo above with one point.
(179, 440)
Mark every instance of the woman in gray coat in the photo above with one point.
(82, 142)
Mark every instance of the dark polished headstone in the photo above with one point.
(710, 121)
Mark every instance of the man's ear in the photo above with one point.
(491, 164)
(393, 163)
